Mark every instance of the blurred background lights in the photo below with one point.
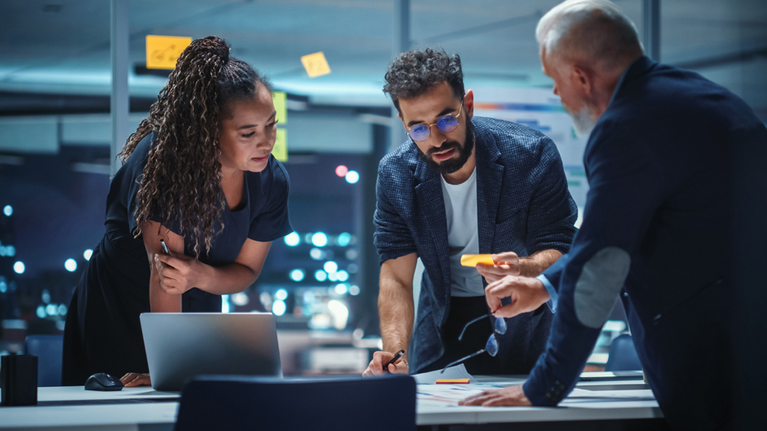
(281, 295)
(342, 275)
(40, 311)
(354, 290)
(87, 254)
(8, 210)
(225, 308)
(309, 296)
(266, 300)
(319, 239)
(317, 254)
(240, 299)
(352, 177)
(3, 286)
(51, 310)
(330, 266)
(341, 289)
(62, 310)
(341, 170)
(278, 308)
(70, 265)
(297, 275)
(351, 254)
(46, 296)
(292, 239)
(333, 276)
(19, 267)
(339, 313)
(344, 239)
(321, 275)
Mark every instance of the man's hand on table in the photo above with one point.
(375, 368)
(507, 397)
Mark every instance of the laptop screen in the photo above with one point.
(182, 345)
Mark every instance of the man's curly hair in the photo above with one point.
(182, 177)
(413, 73)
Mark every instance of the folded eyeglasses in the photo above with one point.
(492, 343)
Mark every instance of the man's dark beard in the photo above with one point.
(451, 165)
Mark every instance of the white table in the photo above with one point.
(134, 409)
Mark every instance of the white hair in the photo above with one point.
(588, 30)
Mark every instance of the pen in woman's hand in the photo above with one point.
(164, 247)
(394, 359)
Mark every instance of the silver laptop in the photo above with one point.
(182, 345)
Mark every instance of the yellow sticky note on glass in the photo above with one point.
(280, 150)
(163, 51)
(315, 64)
(279, 98)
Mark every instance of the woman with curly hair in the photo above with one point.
(197, 174)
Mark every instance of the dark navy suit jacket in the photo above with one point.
(523, 205)
(660, 165)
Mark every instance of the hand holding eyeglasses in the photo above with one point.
(506, 263)
(527, 294)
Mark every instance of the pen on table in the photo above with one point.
(394, 359)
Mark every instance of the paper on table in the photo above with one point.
(456, 372)
(636, 394)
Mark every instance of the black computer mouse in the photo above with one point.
(103, 382)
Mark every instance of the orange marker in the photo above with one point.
(453, 381)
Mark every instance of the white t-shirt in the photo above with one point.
(462, 235)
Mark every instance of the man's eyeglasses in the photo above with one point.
(492, 343)
(446, 123)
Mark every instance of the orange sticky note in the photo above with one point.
(315, 64)
(474, 259)
(452, 381)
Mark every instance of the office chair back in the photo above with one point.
(48, 349)
(254, 403)
(623, 355)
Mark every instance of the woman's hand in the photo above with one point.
(179, 274)
(132, 380)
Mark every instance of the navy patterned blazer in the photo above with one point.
(523, 205)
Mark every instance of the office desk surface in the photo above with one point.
(144, 408)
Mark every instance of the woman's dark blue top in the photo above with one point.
(103, 333)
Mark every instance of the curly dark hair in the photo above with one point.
(415, 72)
(182, 176)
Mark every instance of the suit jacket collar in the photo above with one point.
(638, 68)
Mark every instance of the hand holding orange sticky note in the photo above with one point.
(453, 381)
(474, 259)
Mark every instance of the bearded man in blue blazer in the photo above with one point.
(668, 167)
(461, 185)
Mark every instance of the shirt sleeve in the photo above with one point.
(552, 211)
(551, 303)
(626, 188)
(392, 237)
(550, 279)
(274, 221)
